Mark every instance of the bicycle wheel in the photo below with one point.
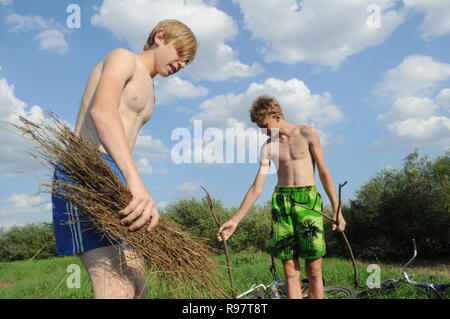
(338, 292)
(388, 286)
(442, 292)
(335, 292)
(374, 293)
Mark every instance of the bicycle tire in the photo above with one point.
(443, 292)
(336, 292)
(385, 287)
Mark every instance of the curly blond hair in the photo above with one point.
(262, 106)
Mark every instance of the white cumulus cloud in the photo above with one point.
(416, 75)
(419, 112)
(173, 88)
(150, 150)
(322, 32)
(25, 204)
(298, 103)
(443, 99)
(214, 29)
(14, 157)
(52, 40)
(436, 21)
(49, 33)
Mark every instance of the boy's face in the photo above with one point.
(167, 60)
(270, 122)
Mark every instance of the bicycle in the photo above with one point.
(277, 289)
(440, 290)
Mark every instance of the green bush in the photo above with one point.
(251, 234)
(23, 242)
(397, 205)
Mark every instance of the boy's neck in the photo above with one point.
(286, 129)
(147, 58)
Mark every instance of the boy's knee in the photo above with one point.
(291, 270)
(292, 275)
(314, 273)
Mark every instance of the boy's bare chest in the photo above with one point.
(138, 96)
(293, 149)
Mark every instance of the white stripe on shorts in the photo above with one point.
(78, 227)
(70, 224)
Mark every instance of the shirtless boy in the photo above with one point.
(117, 101)
(296, 232)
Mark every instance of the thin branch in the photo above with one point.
(227, 256)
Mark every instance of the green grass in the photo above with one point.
(39, 278)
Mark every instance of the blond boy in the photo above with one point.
(117, 101)
(296, 232)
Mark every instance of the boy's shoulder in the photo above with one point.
(122, 61)
(307, 131)
(122, 55)
(121, 51)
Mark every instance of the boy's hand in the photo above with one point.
(341, 222)
(141, 209)
(226, 230)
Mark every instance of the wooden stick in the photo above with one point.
(355, 269)
(62, 280)
(38, 252)
(227, 255)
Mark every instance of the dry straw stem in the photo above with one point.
(176, 256)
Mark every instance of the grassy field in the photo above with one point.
(48, 278)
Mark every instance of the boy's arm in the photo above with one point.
(324, 174)
(118, 68)
(250, 198)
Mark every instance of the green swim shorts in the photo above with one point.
(296, 231)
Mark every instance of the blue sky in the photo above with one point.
(372, 76)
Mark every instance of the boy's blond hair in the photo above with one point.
(262, 106)
(174, 30)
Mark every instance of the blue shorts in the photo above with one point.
(74, 232)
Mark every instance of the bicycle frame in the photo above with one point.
(406, 279)
(252, 288)
(426, 285)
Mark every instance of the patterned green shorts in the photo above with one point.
(296, 231)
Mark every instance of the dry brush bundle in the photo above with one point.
(181, 260)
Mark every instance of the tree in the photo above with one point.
(23, 242)
(397, 205)
(252, 233)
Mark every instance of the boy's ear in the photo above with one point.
(159, 38)
(276, 116)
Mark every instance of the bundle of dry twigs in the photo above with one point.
(180, 259)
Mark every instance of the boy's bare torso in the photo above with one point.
(294, 162)
(135, 107)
